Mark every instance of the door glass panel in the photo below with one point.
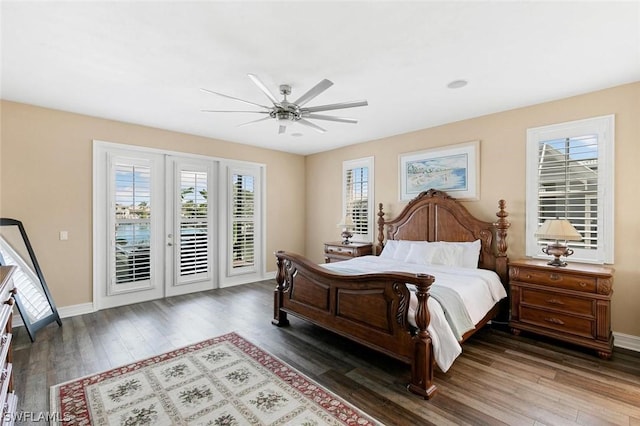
(194, 224)
(132, 223)
(243, 223)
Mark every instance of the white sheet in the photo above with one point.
(479, 289)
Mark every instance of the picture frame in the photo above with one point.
(453, 169)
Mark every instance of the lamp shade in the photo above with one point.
(347, 222)
(558, 229)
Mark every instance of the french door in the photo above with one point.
(167, 224)
(190, 240)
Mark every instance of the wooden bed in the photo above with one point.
(372, 309)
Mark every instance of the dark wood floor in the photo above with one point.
(499, 379)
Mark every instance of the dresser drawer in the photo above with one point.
(555, 279)
(557, 321)
(561, 302)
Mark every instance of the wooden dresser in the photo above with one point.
(336, 251)
(571, 303)
(8, 398)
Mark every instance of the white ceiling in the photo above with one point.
(144, 62)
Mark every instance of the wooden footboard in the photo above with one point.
(371, 309)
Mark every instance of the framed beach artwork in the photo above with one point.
(453, 169)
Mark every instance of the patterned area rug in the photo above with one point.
(221, 381)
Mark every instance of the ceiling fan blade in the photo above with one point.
(235, 99)
(313, 92)
(264, 88)
(310, 124)
(254, 121)
(282, 129)
(330, 118)
(341, 105)
(217, 110)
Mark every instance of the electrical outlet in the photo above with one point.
(64, 235)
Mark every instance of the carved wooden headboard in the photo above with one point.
(435, 216)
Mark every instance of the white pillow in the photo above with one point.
(448, 255)
(421, 253)
(470, 252)
(389, 249)
(402, 250)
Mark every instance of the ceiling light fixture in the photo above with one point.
(457, 84)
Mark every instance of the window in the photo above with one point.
(132, 221)
(244, 251)
(357, 187)
(570, 176)
(243, 221)
(194, 223)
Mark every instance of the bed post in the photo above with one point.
(502, 263)
(279, 316)
(422, 364)
(380, 230)
(501, 242)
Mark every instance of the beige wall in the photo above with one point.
(502, 176)
(46, 182)
(44, 153)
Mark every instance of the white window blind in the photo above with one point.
(194, 224)
(570, 176)
(132, 231)
(357, 186)
(568, 185)
(357, 197)
(243, 221)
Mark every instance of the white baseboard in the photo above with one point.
(626, 341)
(64, 312)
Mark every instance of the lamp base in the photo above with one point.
(557, 262)
(556, 250)
(345, 237)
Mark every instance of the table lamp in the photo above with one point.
(346, 226)
(557, 229)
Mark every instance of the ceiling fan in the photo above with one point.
(286, 113)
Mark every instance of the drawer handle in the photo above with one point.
(583, 284)
(528, 276)
(554, 321)
(555, 302)
(554, 277)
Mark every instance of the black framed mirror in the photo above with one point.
(33, 299)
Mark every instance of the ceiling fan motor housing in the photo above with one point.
(286, 111)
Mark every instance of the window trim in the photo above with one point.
(604, 128)
(352, 164)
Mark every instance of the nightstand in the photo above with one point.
(336, 251)
(571, 303)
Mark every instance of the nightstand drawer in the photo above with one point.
(565, 323)
(343, 250)
(337, 251)
(555, 279)
(558, 302)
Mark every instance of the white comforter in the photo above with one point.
(479, 289)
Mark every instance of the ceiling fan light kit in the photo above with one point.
(286, 113)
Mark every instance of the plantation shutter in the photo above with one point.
(357, 186)
(357, 199)
(568, 185)
(243, 221)
(131, 247)
(193, 225)
(570, 175)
